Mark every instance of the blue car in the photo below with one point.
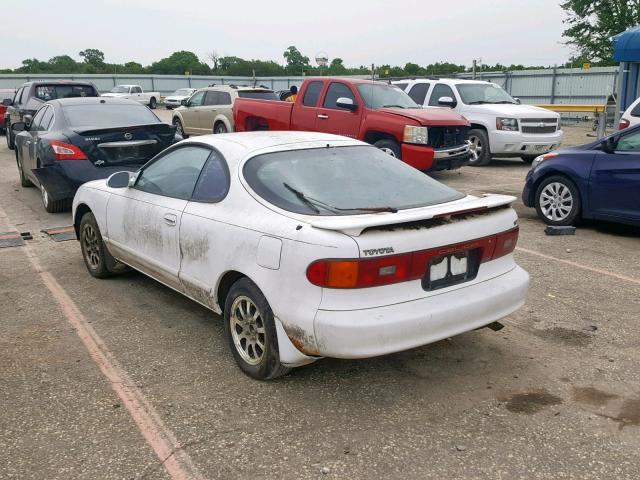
(599, 181)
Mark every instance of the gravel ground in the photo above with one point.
(554, 395)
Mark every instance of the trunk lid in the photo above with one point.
(132, 145)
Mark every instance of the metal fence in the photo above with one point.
(557, 85)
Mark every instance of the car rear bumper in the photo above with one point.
(393, 328)
(517, 143)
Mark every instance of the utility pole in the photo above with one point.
(474, 67)
(373, 72)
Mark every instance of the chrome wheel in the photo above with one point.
(178, 125)
(45, 197)
(556, 201)
(475, 148)
(247, 330)
(389, 151)
(90, 246)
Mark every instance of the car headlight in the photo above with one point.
(413, 134)
(507, 124)
(541, 158)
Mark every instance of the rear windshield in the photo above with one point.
(53, 92)
(261, 94)
(105, 116)
(342, 181)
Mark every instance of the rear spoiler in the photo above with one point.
(354, 225)
(90, 130)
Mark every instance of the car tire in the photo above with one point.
(153, 103)
(248, 322)
(24, 181)
(390, 147)
(557, 201)
(528, 158)
(480, 150)
(220, 127)
(179, 128)
(9, 136)
(53, 206)
(95, 254)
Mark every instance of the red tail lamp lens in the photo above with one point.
(66, 151)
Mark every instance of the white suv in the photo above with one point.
(501, 126)
(631, 116)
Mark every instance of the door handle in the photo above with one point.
(170, 219)
(323, 116)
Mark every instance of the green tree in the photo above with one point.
(180, 62)
(592, 23)
(296, 62)
(63, 64)
(93, 56)
(336, 67)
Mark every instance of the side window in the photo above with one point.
(419, 92)
(137, 90)
(439, 91)
(629, 143)
(35, 123)
(635, 112)
(17, 98)
(336, 91)
(213, 183)
(401, 86)
(197, 99)
(47, 117)
(225, 98)
(211, 98)
(175, 174)
(312, 94)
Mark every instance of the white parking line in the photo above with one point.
(160, 438)
(583, 267)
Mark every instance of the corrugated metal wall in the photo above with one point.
(561, 85)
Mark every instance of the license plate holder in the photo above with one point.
(451, 269)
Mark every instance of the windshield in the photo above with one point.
(342, 181)
(479, 93)
(53, 92)
(183, 92)
(377, 95)
(261, 94)
(105, 116)
(119, 89)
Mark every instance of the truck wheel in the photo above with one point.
(179, 128)
(528, 158)
(251, 331)
(153, 103)
(557, 201)
(389, 146)
(9, 136)
(219, 128)
(480, 151)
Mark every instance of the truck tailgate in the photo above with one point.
(250, 114)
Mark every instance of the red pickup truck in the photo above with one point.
(431, 138)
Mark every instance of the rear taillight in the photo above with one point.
(66, 151)
(389, 269)
(624, 123)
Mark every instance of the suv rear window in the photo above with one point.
(342, 181)
(54, 92)
(260, 94)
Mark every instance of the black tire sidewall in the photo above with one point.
(391, 145)
(152, 103)
(9, 135)
(220, 125)
(270, 366)
(102, 270)
(485, 158)
(574, 216)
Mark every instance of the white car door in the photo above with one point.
(143, 221)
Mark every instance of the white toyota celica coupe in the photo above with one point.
(310, 245)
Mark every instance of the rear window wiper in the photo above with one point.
(314, 202)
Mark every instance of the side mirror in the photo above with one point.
(184, 102)
(7, 102)
(346, 103)
(518, 101)
(119, 180)
(447, 102)
(27, 119)
(18, 127)
(609, 145)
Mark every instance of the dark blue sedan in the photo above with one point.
(74, 140)
(599, 181)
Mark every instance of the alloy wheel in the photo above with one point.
(556, 201)
(178, 125)
(475, 147)
(90, 246)
(388, 151)
(247, 330)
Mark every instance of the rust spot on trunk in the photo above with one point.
(302, 341)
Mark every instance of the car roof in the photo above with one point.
(57, 82)
(442, 80)
(67, 102)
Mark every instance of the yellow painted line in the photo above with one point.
(565, 108)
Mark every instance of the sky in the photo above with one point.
(361, 32)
